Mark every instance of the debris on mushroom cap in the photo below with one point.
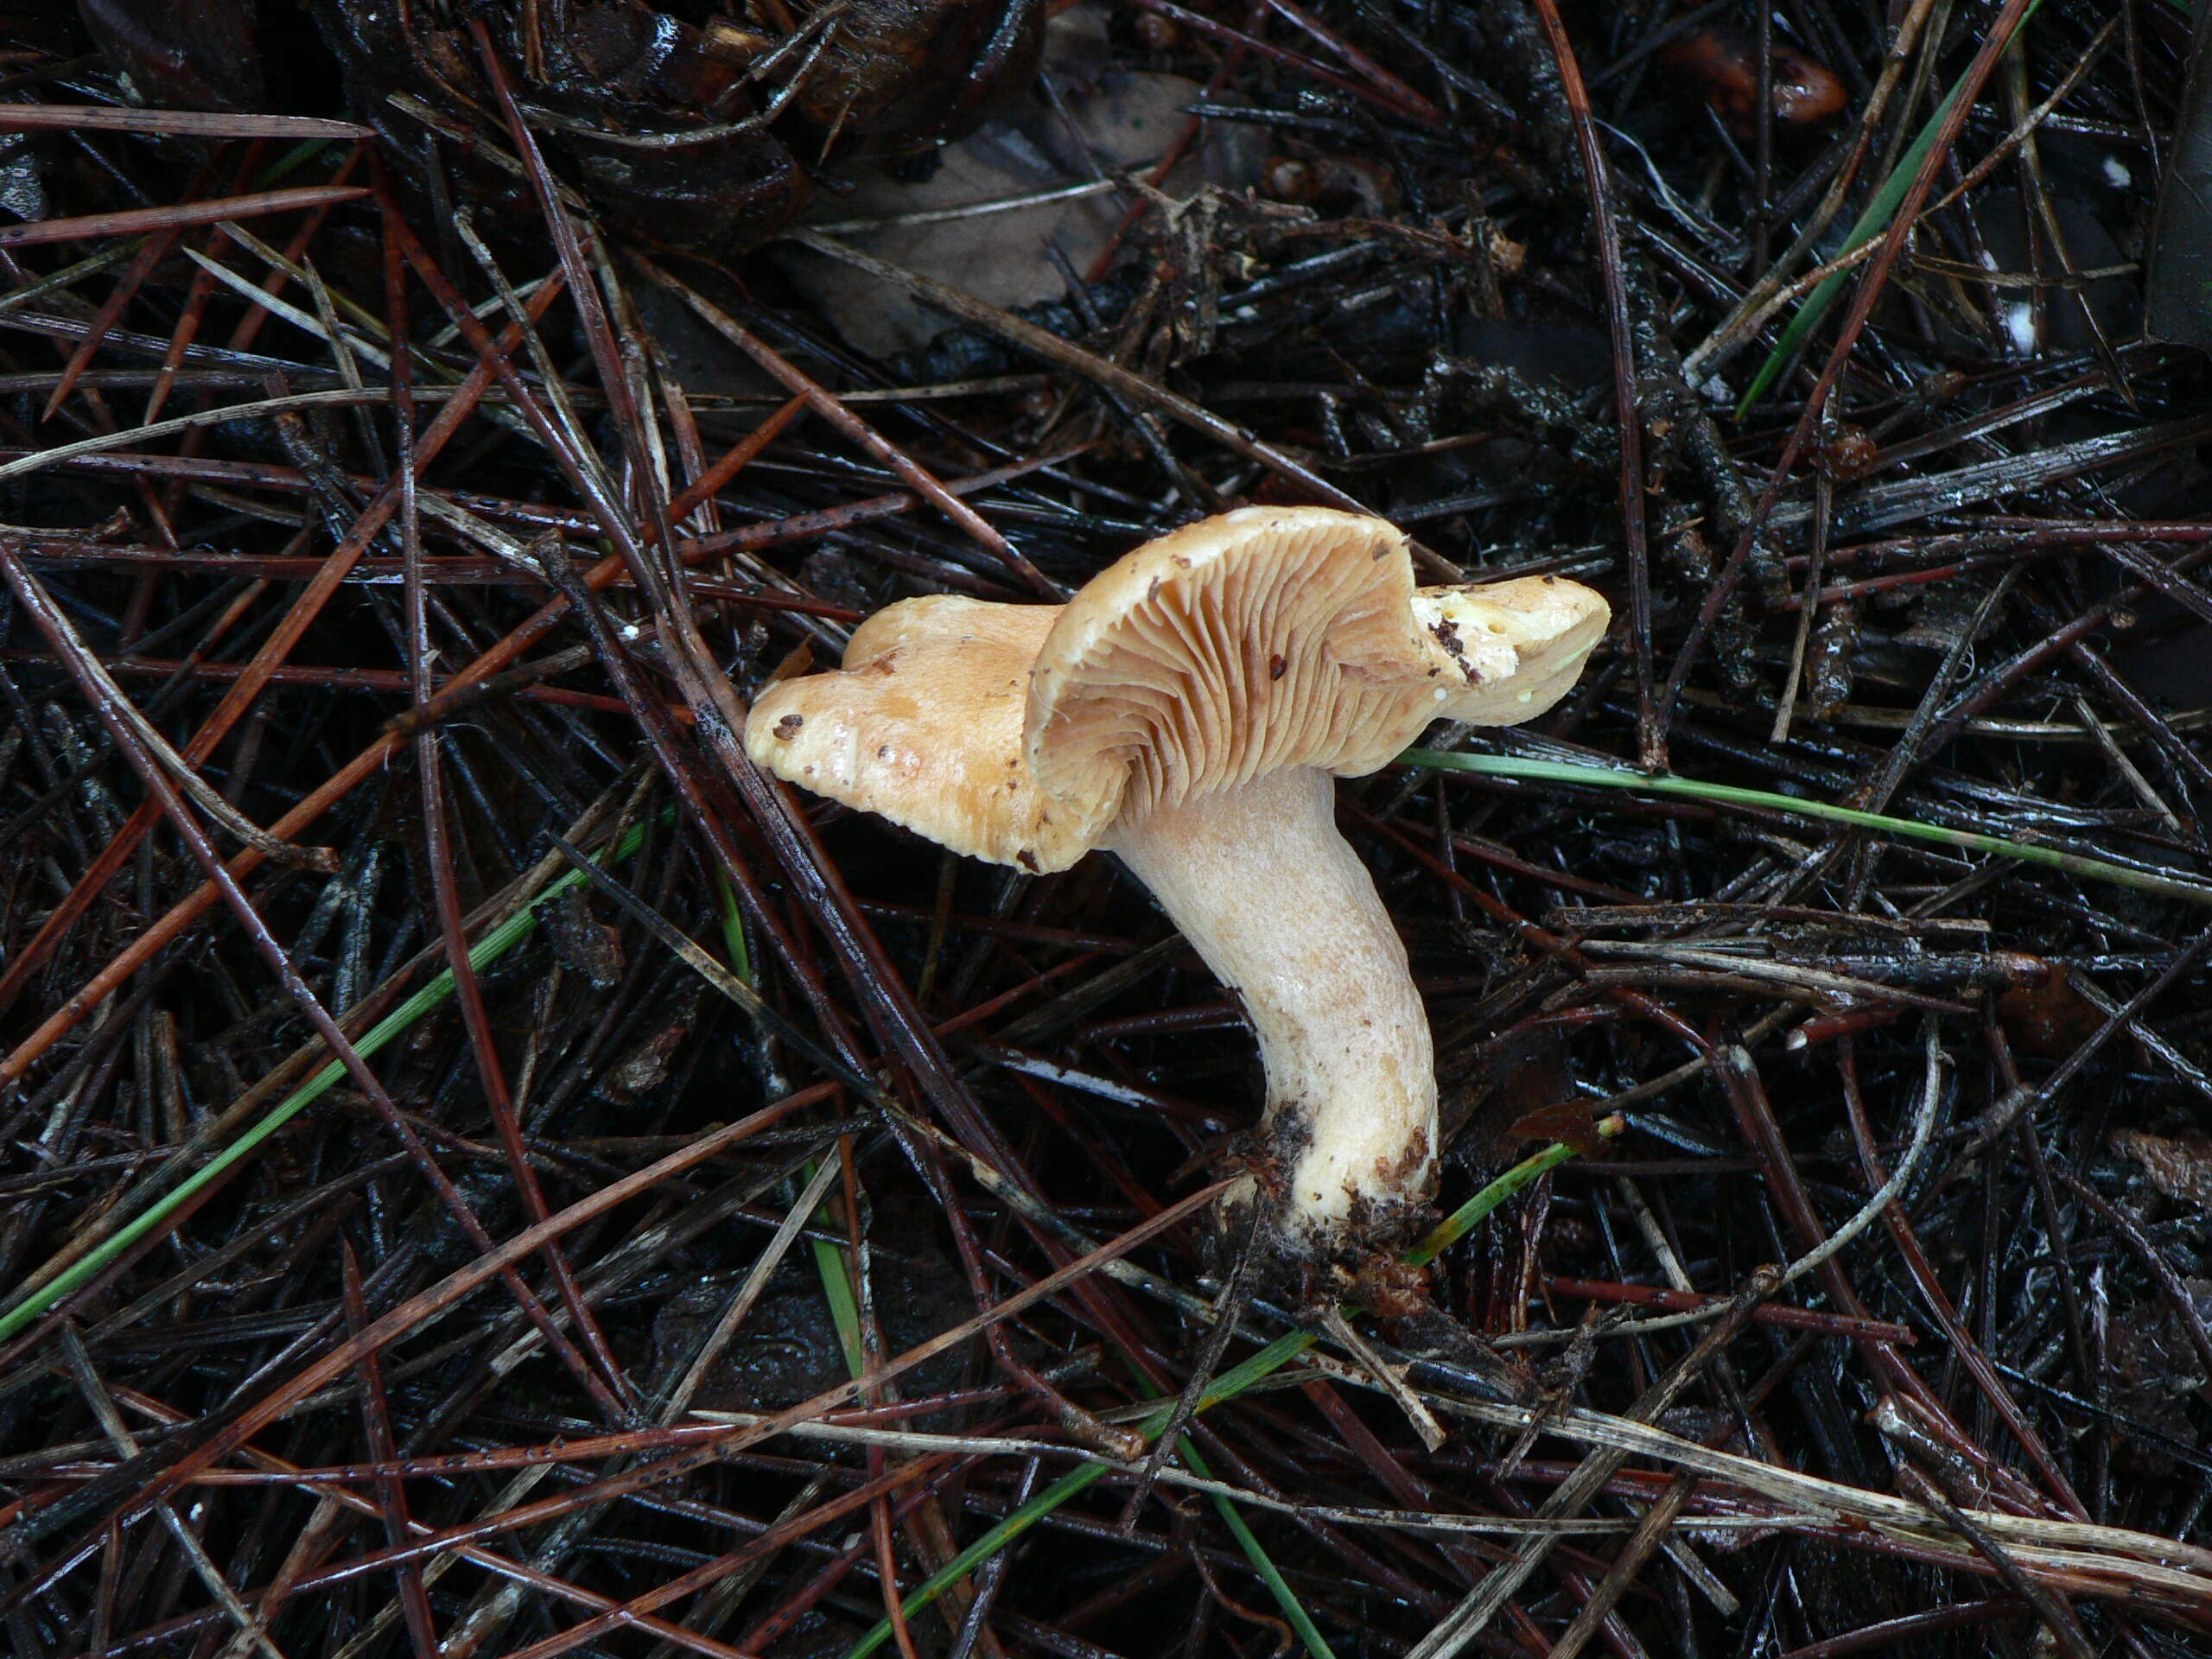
(923, 726)
(1274, 637)
(1517, 645)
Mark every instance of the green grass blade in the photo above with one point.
(981, 1550)
(1457, 1225)
(295, 158)
(1237, 1379)
(1869, 225)
(741, 961)
(1229, 1384)
(1273, 1357)
(837, 1290)
(1271, 1574)
(68, 276)
(1553, 772)
(34, 1303)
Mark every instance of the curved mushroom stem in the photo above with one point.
(1267, 891)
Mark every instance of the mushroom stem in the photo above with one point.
(1267, 891)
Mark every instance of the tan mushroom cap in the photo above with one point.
(1276, 637)
(1518, 646)
(1263, 638)
(924, 727)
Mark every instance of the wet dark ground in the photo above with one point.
(1953, 577)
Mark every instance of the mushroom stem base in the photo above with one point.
(1267, 891)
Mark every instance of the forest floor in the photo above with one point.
(485, 1171)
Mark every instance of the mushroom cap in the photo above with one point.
(924, 727)
(1259, 639)
(1275, 637)
(1516, 647)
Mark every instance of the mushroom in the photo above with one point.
(1186, 710)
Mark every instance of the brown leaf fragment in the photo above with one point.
(1568, 1119)
(2049, 1017)
(584, 943)
(2181, 1169)
(644, 1067)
